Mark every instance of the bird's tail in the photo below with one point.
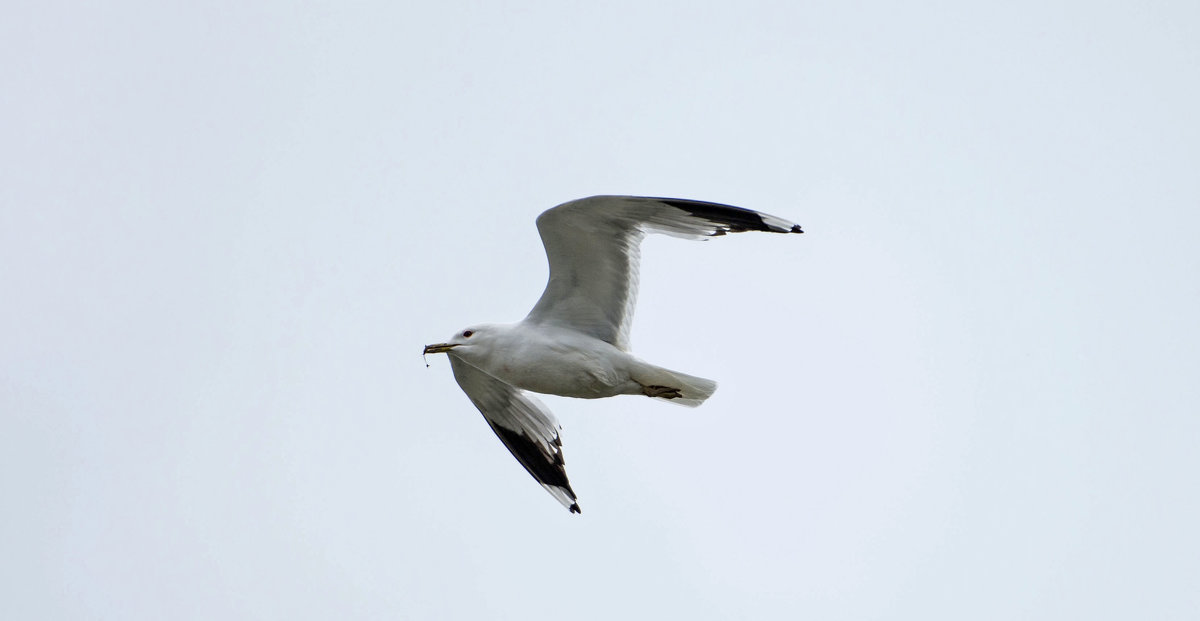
(693, 390)
(696, 390)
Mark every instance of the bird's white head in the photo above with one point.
(467, 343)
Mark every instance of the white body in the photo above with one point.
(560, 361)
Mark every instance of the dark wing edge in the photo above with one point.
(730, 219)
(547, 469)
(526, 427)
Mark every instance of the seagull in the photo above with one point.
(575, 341)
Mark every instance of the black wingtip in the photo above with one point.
(575, 509)
(730, 219)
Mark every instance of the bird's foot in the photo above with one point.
(661, 392)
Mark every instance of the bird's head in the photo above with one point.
(465, 342)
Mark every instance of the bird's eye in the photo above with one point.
(467, 333)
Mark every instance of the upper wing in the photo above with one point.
(524, 425)
(592, 245)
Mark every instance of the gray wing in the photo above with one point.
(592, 245)
(523, 424)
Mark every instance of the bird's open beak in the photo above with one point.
(439, 348)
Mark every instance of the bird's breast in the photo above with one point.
(570, 370)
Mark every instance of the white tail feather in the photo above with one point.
(695, 390)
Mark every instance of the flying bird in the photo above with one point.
(575, 341)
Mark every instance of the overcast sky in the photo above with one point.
(969, 391)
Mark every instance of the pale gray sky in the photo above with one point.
(970, 391)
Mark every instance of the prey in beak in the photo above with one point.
(436, 348)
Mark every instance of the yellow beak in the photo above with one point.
(439, 348)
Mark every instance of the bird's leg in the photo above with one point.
(662, 392)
